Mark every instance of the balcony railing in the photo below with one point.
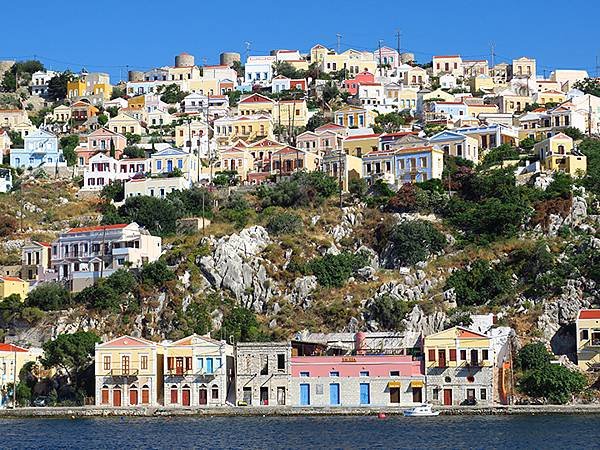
(124, 372)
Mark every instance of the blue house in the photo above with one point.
(418, 164)
(40, 149)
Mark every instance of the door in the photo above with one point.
(133, 397)
(105, 396)
(365, 394)
(448, 397)
(125, 364)
(203, 398)
(116, 397)
(394, 395)
(474, 357)
(334, 394)
(185, 397)
(179, 366)
(169, 166)
(442, 358)
(417, 395)
(247, 396)
(174, 395)
(145, 395)
(264, 395)
(305, 394)
(281, 395)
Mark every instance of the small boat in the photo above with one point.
(421, 411)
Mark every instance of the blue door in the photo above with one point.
(305, 394)
(169, 166)
(334, 394)
(365, 395)
(209, 365)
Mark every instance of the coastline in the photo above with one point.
(93, 411)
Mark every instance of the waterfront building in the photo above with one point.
(263, 371)
(588, 339)
(129, 372)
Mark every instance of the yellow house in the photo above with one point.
(102, 90)
(76, 88)
(129, 372)
(523, 67)
(204, 86)
(35, 260)
(285, 112)
(342, 167)
(124, 123)
(459, 367)
(588, 339)
(12, 360)
(13, 285)
(350, 116)
(550, 96)
(61, 113)
(511, 103)
(403, 97)
(352, 61)
(198, 372)
(188, 135)
(236, 159)
(360, 145)
(557, 153)
(247, 128)
(137, 102)
(482, 83)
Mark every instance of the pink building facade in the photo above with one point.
(357, 380)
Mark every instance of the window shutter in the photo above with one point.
(170, 362)
(452, 354)
(431, 354)
(188, 363)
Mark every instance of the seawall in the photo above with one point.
(92, 411)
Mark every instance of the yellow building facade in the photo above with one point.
(13, 285)
(588, 339)
(557, 153)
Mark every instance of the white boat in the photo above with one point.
(421, 411)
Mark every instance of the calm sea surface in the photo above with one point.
(511, 432)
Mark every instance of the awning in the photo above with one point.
(417, 383)
(394, 384)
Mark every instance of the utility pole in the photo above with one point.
(589, 115)
(339, 41)
(208, 151)
(398, 48)
(380, 60)
(493, 55)
(340, 178)
(248, 44)
(597, 67)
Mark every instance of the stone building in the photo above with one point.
(263, 373)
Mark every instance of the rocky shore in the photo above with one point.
(92, 411)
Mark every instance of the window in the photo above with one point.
(364, 373)
(436, 394)
(159, 165)
(394, 373)
(281, 362)
(463, 355)
(431, 354)
(334, 374)
(107, 362)
(483, 394)
(264, 364)
(218, 363)
(452, 354)
(470, 395)
(144, 362)
(585, 335)
(215, 393)
(484, 355)
(305, 374)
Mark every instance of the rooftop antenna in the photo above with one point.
(339, 41)
(493, 54)
(398, 36)
(248, 44)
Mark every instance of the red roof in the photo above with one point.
(446, 56)
(98, 228)
(589, 314)
(462, 333)
(11, 348)
(362, 136)
(10, 278)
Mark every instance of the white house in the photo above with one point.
(259, 70)
(448, 81)
(5, 180)
(39, 82)
(101, 170)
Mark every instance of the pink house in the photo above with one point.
(357, 380)
(351, 86)
(101, 140)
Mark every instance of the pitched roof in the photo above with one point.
(589, 314)
(257, 98)
(11, 348)
(127, 341)
(362, 136)
(98, 228)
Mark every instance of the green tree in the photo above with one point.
(527, 143)
(284, 223)
(118, 92)
(533, 356)
(159, 216)
(316, 121)
(589, 86)
(480, 284)
(234, 97)
(574, 133)
(172, 94)
(156, 273)
(302, 189)
(133, 151)
(132, 138)
(102, 119)
(554, 382)
(239, 68)
(57, 86)
(68, 145)
(241, 323)
(49, 296)
(389, 123)
(334, 270)
(16, 139)
(502, 153)
(389, 312)
(412, 241)
(72, 353)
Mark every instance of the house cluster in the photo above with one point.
(250, 120)
(79, 257)
(375, 369)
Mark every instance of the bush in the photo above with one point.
(302, 189)
(109, 293)
(554, 382)
(412, 241)
(358, 187)
(156, 273)
(159, 216)
(133, 151)
(480, 284)
(334, 270)
(115, 191)
(49, 296)
(533, 356)
(389, 312)
(8, 225)
(190, 201)
(241, 323)
(237, 210)
(284, 223)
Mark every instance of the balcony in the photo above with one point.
(124, 372)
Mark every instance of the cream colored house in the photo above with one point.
(588, 339)
(155, 187)
(124, 123)
(61, 114)
(557, 153)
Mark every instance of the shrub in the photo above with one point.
(533, 356)
(302, 189)
(156, 273)
(389, 312)
(554, 382)
(115, 191)
(241, 323)
(480, 284)
(237, 210)
(284, 223)
(334, 270)
(190, 201)
(412, 241)
(133, 151)
(358, 187)
(49, 297)
(157, 215)
(8, 225)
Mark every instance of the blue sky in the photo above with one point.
(110, 35)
